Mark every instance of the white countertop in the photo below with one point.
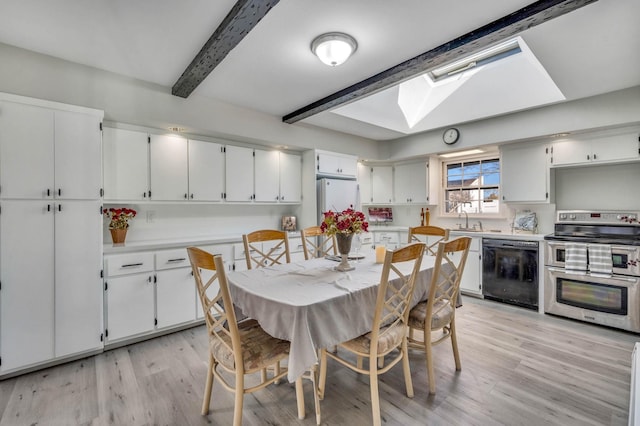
(499, 235)
(159, 244)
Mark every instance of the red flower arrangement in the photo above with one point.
(119, 217)
(346, 222)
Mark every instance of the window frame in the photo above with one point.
(494, 156)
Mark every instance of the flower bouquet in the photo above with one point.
(119, 222)
(344, 225)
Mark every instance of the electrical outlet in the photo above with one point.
(151, 215)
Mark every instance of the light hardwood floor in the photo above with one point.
(518, 368)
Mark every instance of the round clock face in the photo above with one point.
(451, 136)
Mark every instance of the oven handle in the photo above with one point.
(613, 277)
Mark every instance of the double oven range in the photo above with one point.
(580, 282)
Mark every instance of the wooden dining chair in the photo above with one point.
(315, 243)
(237, 348)
(389, 327)
(439, 311)
(259, 255)
(436, 231)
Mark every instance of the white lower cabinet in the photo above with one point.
(51, 298)
(130, 308)
(175, 297)
(471, 282)
(129, 295)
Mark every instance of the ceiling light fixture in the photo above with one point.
(461, 153)
(333, 49)
(491, 54)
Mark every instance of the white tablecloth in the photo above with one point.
(313, 306)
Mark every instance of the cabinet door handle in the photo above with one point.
(186, 196)
(192, 196)
(59, 192)
(48, 207)
(182, 259)
(144, 194)
(48, 192)
(59, 207)
(594, 156)
(131, 265)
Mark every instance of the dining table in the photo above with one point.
(314, 306)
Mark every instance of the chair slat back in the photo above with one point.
(426, 231)
(221, 323)
(395, 291)
(258, 257)
(451, 258)
(317, 244)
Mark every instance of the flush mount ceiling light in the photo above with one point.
(461, 153)
(333, 48)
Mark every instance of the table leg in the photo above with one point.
(300, 398)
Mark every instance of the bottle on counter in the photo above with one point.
(422, 216)
(426, 217)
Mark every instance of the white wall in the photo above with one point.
(616, 109)
(126, 100)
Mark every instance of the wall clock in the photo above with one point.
(450, 136)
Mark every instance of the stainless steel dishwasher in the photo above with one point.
(510, 271)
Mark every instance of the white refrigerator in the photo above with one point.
(337, 195)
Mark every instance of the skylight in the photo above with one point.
(505, 78)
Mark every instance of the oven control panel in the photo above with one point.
(595, 217)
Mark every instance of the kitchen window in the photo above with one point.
(472, 186)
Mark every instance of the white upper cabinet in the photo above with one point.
(26, 137)
(334, 164)
(267, 176)
(606, 147)
(126, 164)
(290, 178)
(238, 173)
(168, 167)
(382, 184)
(364, 182)
(410, 183)
(206, 171)
(278, 177)
(525, 173)
(78, 152)
(58, 146)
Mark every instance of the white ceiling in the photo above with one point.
(593, 50)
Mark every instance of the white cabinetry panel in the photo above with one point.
(239, 173)
(175, 297)
(130, 308)
(364, 183)
(382, 184)
(206, 171)
(334, 164)
(78, 149)
(410, 183)
(26, 151)
(26, 273)
(168, 168)
(78, 284)
(126, 164)
(471, 281)
(267, 176)
(290, 178)
(525, 173)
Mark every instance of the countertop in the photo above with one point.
(170, 243)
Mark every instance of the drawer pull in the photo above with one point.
(131, 265)
(182, 259)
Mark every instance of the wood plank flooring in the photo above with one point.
(518, 368)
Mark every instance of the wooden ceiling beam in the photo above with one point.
(242, 18)
(529, 16)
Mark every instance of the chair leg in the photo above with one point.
(375, 396)
(239, 391)
(359, 362)
(380, 361)
(454, 344)
(316, 398)
(207, 387)
(429, 356)
(323, 373)
(407, 369)
(276, 371)
(300, 398)
(263, 375)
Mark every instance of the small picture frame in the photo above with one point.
(289, 223)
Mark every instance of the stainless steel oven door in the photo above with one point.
(625, 259)
(612, 301)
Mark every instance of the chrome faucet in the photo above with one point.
(466, 219)
(480, 225)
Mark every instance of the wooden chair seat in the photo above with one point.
(259, 349)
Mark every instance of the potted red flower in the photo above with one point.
(119, 222)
